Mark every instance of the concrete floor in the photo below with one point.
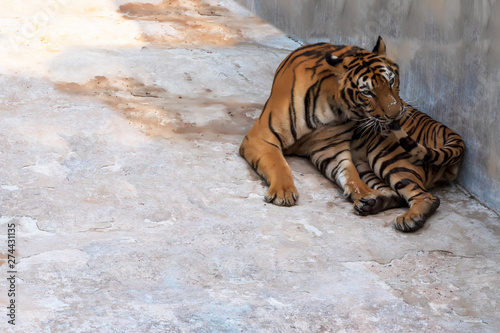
(134, 212)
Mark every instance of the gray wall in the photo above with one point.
(449, 56)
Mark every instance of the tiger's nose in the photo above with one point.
(392, 113)
(391, 117)
(394, 109)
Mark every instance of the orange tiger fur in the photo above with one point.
(322, 95)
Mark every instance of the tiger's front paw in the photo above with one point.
(282, 195)
(367, 205)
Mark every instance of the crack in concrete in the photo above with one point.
(416, 252)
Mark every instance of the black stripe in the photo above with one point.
(324, 163)
(273, 131)
(428, 155)
(350, 92)
(272, 144)
(255, 164)
(387, 176)
(291, 109)
(263, 109)
(336, 169)
(418, 194)
(328, 146)
(408, 144)
(314, 68)
(390, 161)
(359, 69)
(310, 109)
(293, 119)
(403, 183)
(288, 60)
(388, 146)
(304, 51)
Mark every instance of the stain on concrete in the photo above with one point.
(158, 113)
(191, 22)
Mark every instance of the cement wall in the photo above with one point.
(449, 56)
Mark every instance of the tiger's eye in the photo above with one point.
(367, 93)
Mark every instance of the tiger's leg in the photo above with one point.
(340, 169)
(264, 154)
(329, 150)
(422, 203)
(390, 198)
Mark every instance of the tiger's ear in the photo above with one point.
(332, 60)
(379, 47)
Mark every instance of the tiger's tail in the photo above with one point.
(450, 151)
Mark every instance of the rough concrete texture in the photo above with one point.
(134, 213)
(449, 57)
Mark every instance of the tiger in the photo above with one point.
(339, 106)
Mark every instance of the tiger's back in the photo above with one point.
(301, 96)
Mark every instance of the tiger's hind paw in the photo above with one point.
(286, 196)
(409, 223)
(416, 216)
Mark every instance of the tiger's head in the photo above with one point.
(368, 86)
